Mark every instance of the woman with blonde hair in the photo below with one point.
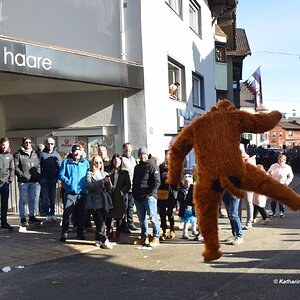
(99, 201)
(284, 174)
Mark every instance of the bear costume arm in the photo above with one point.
(258, 123)
(178, 151)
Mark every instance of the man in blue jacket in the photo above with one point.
(50, 164)
(72, 174)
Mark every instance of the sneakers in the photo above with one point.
(282, 215)
(7, 226)
(34, 220)
(154, 242)
(230, 239)
(23, 222)
(64, 237)
(254, 221)
(185, 237)
(53, 218)
(141, 241)
(237, 241)
(48, 219)
(266, 221)
(98, 243)
(106, 245)
(248, 226)
(198, 238)
(172, 234)
(272, 214)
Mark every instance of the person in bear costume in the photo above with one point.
(215, 137)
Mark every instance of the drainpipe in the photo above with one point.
(123, 56)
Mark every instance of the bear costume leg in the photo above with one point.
(206, 203)
(261, 183)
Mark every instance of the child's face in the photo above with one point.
(186, 184)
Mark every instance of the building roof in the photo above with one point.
(242, 46)
(293, 125)
(247, 100)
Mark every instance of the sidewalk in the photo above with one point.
(19, 247)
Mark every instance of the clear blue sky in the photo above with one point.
(273, 26)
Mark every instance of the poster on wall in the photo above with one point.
(64, 145)
(93, 143)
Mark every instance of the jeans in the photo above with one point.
(274, 204)
(48, 196)
(144, 207)
(31, 189)
(232, 206)
(4, 191)
(129, 204)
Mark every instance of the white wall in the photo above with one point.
(165, 33)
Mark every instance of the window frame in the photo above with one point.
(195, 17)
(176, 73)
(176, 6)
(199, 98)
(223, 57)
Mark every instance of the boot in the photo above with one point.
(117, 235)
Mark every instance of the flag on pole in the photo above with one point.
(257, 76)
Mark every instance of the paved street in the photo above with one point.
(266, 266)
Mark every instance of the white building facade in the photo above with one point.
(100, 71)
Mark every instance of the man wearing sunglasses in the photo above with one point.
(50, 164)
(28, 171)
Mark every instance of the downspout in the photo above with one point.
(123, 56)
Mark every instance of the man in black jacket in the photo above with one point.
(28, 171)
(146, 180)
(7, 172)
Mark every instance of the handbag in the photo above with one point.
(162, 194)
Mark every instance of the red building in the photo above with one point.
(286, 133)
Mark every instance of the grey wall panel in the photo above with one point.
(88, 25)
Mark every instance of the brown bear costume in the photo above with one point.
(215, 137)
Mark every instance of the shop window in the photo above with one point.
(176, 80)
(220, 54)
(198, 91)
(176, 5)
(195, 17)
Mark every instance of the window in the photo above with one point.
(195, 17)
(290, 133)
(273, 133)
(176, 5)
(220, 53)
(198, 91)
(280, 132)
(176, 80)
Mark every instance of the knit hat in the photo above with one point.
(50, 140)
(142, 150)
(75, 147)
(25, 138)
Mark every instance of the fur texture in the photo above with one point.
(215, 137)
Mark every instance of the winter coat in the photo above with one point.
(7, 168)
(98, 193)
(145, 180)
(50, 164)
(73, 175)
(27, 166)
(259, 200)
(185, 199)
(118, 193)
